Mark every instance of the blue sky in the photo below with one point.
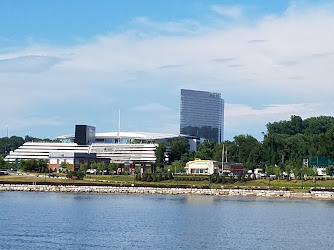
(68, 62)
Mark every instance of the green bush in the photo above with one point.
(144, 177)
(231, 180)
(149, 178)
(154, 177)
(219, 179)
(78, 174)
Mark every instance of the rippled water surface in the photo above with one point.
(87, 221)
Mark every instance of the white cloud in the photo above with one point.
(17, 123)
(234, 12)
(28, 64)
(151, 107)
(245, 119)
(277, 59)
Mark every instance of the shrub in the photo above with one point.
(213, 178)
(144, 177)
(231, 180)
(219, 179)
(149, 178)
(78, 174)
(154, 177)
(170, 176)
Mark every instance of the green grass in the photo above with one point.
(294, 185)
(25, 178)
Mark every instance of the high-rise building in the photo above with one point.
(202, 114)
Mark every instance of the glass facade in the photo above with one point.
(202, 114)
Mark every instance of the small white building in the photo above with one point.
(198, 166)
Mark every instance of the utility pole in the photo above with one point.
(302, 176)
(305, 162)
(223, 152)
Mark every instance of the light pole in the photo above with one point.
(269, 183)
(127, 173)
(134, 176)
(177, 180)
(302, 177)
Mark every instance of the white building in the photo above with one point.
(205, 167)
(119, 147)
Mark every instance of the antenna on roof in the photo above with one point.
(119, 125)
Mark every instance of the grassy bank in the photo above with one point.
(294, 185)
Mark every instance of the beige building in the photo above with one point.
(198, 166)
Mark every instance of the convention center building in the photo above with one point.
(86, 146)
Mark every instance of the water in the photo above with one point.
(91, 221)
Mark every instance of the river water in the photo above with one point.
(93, 221)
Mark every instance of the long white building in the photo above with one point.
(42, 150)
(119, 147)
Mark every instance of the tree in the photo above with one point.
(42, 165)
(206, 150)
(101, 166)
(177, 167)
(187, 156)
(288, 170)
(83, 167)
(3, 164)
(329, 171)
(75, 174)
(177, 148)
(270, 170)
(160, 152)
(65, 166)
(113, 167)
(277, 171)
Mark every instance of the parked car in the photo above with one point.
(53, 175)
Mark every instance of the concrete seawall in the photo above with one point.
(166, 191)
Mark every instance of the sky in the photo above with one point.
(79, 62)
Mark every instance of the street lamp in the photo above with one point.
(302, 177)
(269, 183)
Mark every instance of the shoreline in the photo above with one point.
(226, 192)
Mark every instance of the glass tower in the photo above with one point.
(202, 114)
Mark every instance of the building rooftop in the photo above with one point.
(130, 135)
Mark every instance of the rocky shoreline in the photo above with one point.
(318, 194)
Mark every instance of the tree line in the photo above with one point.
(8, 144)
(285, 144)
